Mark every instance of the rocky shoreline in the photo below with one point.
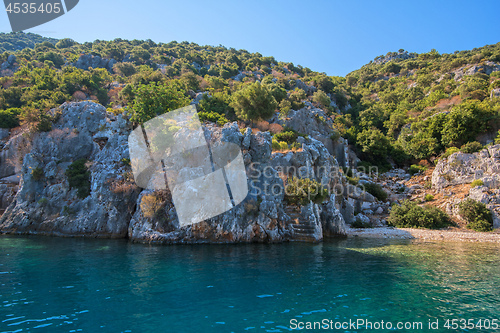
(111, 205)
(38, 198)
(452, 235)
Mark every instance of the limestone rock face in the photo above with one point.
(333, 223)
(460, 168)
(11, 155)
(487, 67)
(45, 204)
(315, 123)
(116, 207)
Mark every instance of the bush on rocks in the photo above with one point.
(477, 215)
(411, 215)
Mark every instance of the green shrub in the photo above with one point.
(37, 173)
(301, 190)
(480, 225)
(449, 151)
(376, 190)
(429, 197)
(296, 146)
(373, 143)
(287, 136)
(9, 118)
(296, 98)
(213, 117)
(276, 145)
(335, 136)
(349, 175)
(414, 169)
(279, 145)
(284, 107)
(45, 125)
(254, 102)
(79, 177)
(497, 139)
(218, 102)
(411, 215)
(477, 182)
(156, 99)
(126, 161)
(471, 147)
(321, 98)
(352, 180)
(477, 215)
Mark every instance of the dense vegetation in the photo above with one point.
(399, 108)
(477, 215)
(49, 74)
(411, 215)
(17, 41)
(416, 106)
(303, 190)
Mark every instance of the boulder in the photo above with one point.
(333, 223)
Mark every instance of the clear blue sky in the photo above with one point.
(335, 37)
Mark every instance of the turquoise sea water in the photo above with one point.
(82, 285)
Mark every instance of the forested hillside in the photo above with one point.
(400, 107)
(411, 106)
(16, 41)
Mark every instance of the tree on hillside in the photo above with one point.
(65, 43)
(156, 99)
(254, 102)
(297, 97)
(373, 142)
(321, 98)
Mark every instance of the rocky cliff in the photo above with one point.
(462, 169)
(115, 207)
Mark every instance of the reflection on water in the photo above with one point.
(77, 285)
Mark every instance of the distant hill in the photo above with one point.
(16, 41)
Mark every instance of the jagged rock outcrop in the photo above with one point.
(315, 123)
(8, 67)
(487, 67)
(45, 204)
(87, 60)
(460, 168)
(11, 154)
(116, 207)
(394, 55)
